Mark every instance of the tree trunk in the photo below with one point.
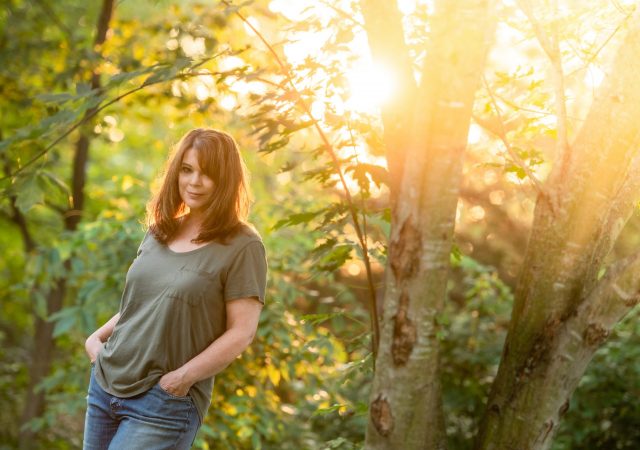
(405, 408)
(385, 34)
(44, 343)
(41, 356)
(563, 311)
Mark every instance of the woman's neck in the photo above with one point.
(192, 222)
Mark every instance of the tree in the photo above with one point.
(568, 297)
(124, 97)
(582, 207)
(44, 343)
(400, 213)
(425, 139)
(564, 305)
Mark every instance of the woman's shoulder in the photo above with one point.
(246, 233)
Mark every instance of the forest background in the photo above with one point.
(93, 96)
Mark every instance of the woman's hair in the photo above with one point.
(219, 158)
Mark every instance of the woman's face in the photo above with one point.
(196, 188)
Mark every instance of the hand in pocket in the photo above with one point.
(92, 346)
(174, 383)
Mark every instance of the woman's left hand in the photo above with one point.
(174, 383)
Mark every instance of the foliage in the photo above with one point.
(304, 383)
(475, 324)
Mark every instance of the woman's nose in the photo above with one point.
(195, 179)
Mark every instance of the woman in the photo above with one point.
(190, 306)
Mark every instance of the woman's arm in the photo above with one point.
(94, 343)
(242, 321)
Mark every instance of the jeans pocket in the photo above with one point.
(170, 395)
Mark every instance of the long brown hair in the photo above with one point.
(220, 159)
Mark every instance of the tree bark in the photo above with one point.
(563, 310)
(383, 24)
(406, 405)
(44, 343)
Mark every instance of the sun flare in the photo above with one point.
(371, 85)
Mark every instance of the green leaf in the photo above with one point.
(58, 98)
(255, 441)
(83, 88)
(123, 77)
(379, 175)
(39, 304)
(319, 318)
(52, 381)
(335, 258)
(64, 325)
(56, 181)
(456, 255)
(296, 127)
(88, 291)
(295, 219)
(329, 410)
(28, 191)
(339, 443)
(163, 74)
(519, 171)
(274, 145)
(64, 312)
(62, 117)
(334, 213)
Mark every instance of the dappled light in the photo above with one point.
(446, 192)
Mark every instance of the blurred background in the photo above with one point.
(93, 95)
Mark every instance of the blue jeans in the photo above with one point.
(153, 420)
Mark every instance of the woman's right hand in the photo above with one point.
(93, 345)
(95, 342)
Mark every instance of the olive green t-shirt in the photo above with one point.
(173, 307)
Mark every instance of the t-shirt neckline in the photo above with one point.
(173, 252)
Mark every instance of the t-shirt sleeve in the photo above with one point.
(247, 275)
(145, 238)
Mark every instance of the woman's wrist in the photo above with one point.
(92, 346)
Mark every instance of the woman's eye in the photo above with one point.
(186, 169)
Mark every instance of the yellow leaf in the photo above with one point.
(274, 375)
(127, 182)
(284, 372)
(230, 409)
(251, 391)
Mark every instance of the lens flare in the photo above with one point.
(371, 85)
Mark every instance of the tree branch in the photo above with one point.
(336, 164)
(342, 13)
(618, 210)
(502, 135)
(551, 46)
(104, 106)
(615, 295)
